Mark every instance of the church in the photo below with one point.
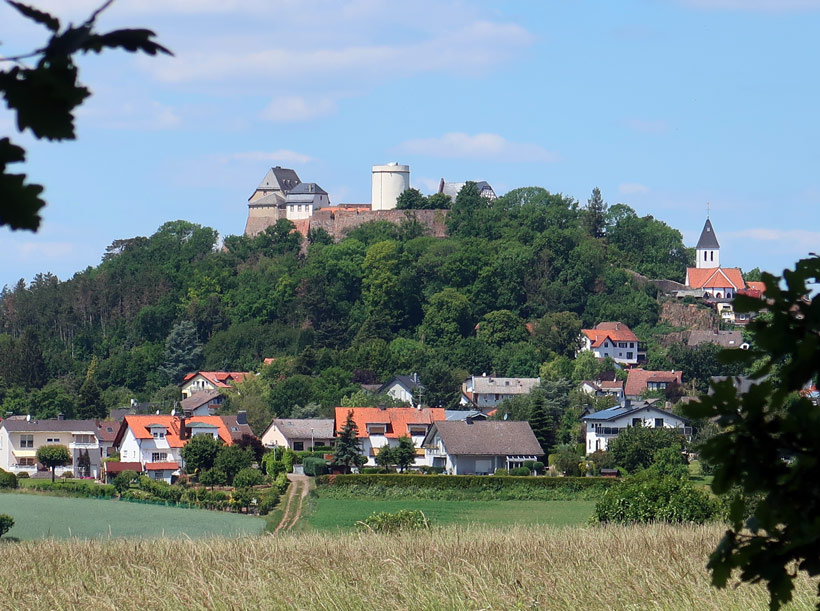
(715, 281)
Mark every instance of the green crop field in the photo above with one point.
(39, 516)
(332, 514)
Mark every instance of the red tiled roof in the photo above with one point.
(220, 379)
(715, 278)
(119, 467)
(139, 426)
(757, 286)
(161, 466)
(611, 384)
(615, 331)
(396, 418)
(638, 379)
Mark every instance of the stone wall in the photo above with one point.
(338, 223)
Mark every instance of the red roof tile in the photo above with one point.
(638, 379)
(119, 467)
(715, 277)
(139, 426)
(161, 466)
(396, 418)
(615, 331)
(220, 379)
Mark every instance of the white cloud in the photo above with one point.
(630, 188)
(298, 108)
(754, 5)
(647, 126)
(458, 145)
(281, 155)
(801, 239)
(138, 115)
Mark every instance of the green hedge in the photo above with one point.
(72, 488)
(7, 480)
(463, 486)
(314, 465)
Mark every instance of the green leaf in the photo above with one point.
(51, 22)
(20, 203)
(131, 40)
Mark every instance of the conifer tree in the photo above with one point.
(348, 450)
(594, 219)
(91, 404)
(542, 425)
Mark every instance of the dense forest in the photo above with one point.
(506, 292)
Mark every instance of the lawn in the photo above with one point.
(342, 514)
(39, 516)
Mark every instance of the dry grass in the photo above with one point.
(654, 567)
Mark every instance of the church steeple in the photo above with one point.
(708, 248)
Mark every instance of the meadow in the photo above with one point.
(456, 567)
(327, 514)
(42, 516)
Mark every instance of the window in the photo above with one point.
(158, 434)
(376, 429)
(52, 440)
(83, 438)
(711, 255)
(26, 441)
(629, 355)
(417, 431)
(110, 452)
(25, 462)
(157, 475)
(158, 456)
(298, 446)
(658, 423)
(637, 422)
(631, 344)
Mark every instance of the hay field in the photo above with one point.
(650, 567)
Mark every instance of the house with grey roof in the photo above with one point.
(479, 447)
(402, 388)
(299, 433)
(202, 403)
(266, 204)
(724, 339)
(486, 392)
(303, 199)
(453, 188)
(605, 425)
(20, 440)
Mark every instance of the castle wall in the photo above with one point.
(339, 222)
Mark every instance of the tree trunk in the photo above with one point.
(52, 473)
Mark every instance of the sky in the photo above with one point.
(665, 105)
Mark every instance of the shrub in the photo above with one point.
(7, 479)
(248, 477)
(315, 466)
(272, 466)
(281, 482)
(370, 470)
(538, 467)
(81, 488)
(289, 457)
(268, 500)
(213, 477)
(160, 490)
(384, 522)
(6, 522)
(519, 471)
(634, 449)
(22, 475)
(124, 479)
(232, 459)
(67, 475)
(648, 498)
(424, 469)
(242, 498)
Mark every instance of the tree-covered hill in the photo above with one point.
(386, 299)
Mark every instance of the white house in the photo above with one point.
(486, 392)
(210, 380)
(303, 199)
(379, 427)
(299, 433)
(202, 402)
(401, 388)
(603, 388)
(155, 441)
(615, 340)
(479, 447)
(603, 426)
(20, 440)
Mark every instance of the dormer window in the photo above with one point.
(418, 431)
(376, 429)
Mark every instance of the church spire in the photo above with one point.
(708, 248)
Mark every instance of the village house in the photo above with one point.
(155, 440)
(303, 199)
(210, 380)
(299, 434)
(642, 380)
(604, 388)
(401, 388)
(20, 440)
(476, 447)
(724, 339)
(604, 426)
(708, 276)
(486, 392)
(453, 188)
(202, 403)
(379, 427)
(614, 340)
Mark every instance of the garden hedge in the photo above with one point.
(81, 488)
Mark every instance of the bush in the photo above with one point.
(242, 498)
(22, 475)
(160, 490)
(649, 498)
(272, 466)
(519, 471)
(124, 479)
(213, 477)
(424, 469)
(538, 467)
(81, 488)
(67, 475)
(281, 482)
(268, 500)
(384, 522)
(232, 459)
(289, 458)
(7, 479)
(6, 522)
(315, 466)
(248, 477)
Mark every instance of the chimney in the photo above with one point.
(242, 417)
(627, 403)
(468, 420)
(61, 416)
(182, 429)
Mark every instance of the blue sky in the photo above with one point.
(665, 105)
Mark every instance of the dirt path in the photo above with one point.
(299, 488)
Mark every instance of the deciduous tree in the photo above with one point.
(53, 456)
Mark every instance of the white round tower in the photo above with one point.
(389, 181)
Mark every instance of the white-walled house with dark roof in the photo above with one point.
(604, 426)
(20, 440)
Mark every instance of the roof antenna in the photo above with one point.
(707, 210)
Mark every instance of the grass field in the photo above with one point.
(38, 516)
(342, 514)
(590, 568)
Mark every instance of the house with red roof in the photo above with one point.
(642, 380)
(155, 440)
(379, 427)
(615, 340)
(210, 380)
